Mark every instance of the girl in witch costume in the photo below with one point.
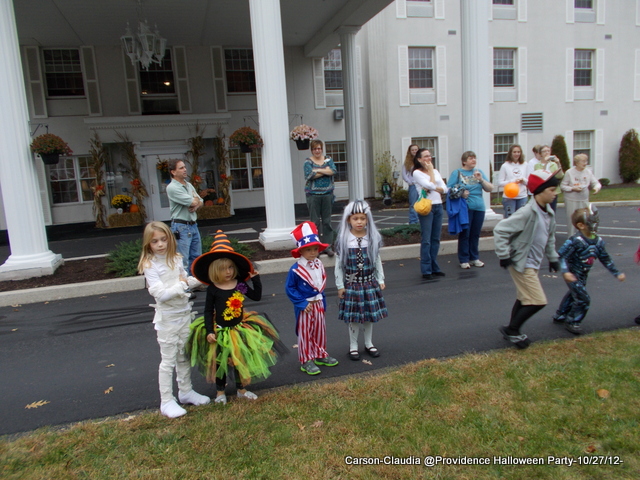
(169, 284)
(228, 337)
(359, 275)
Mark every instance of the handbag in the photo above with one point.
(423, 204)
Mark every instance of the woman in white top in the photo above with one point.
(513, 170)
(429, 179)
(407, 167)
(531, 163)
(549, 163)
(575, 185)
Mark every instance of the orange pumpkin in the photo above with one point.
(133, 208)
(208, 203)
(220, 201)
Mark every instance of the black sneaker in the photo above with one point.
(520, 341)
(439, 274)
(637, 319)
(559, 319)
(428, 276)
(574, 328)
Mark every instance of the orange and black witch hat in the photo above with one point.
(220, 248)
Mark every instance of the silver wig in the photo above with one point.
(342, 241)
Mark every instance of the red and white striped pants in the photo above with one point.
(312, 338)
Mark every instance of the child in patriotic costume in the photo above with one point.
(359, 275)
(305, 288)
(227, 337)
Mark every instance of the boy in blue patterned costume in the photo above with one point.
(577, 256)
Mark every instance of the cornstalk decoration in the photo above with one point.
(138, 189)
(223, 165)
(196, 150)
(99, 157)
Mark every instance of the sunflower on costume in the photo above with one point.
(234, 307)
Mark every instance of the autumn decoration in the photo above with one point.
(99, 157)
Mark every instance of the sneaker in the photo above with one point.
(520, 341)
(194, 398)
(247, 395)
(326, 361)
(221, 399)
(465, 265)
(558, 318)
(171, 409)
(637, 319)
(310, 368)
(476, 263)
(438, 274)
(574, 328)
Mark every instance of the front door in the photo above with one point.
(157, 181)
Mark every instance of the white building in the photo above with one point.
(370, 75)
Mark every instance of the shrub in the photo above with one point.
(400, 195)
(629, 157)
(384, 165)
(559, 149)
(405, 231)
(604, 181)
(241, 248)
(123, 261)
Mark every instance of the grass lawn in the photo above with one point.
(556, 401)
(609, 193)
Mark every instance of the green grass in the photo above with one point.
(546, 400)
(610, 193)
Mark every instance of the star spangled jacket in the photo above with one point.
(299, 286)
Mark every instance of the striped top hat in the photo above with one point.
(221, 248)
(306, 235)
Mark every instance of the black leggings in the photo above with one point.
(221, 383)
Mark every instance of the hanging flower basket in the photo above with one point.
(302, 135)
(246, 138)
(50, 158)
(303, 144)
(50, 147)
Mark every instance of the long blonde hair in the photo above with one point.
(408, 159)
(147, 254)
(218, 267)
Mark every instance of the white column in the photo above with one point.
(476, 85)
(268, 55)
(30, 255)
(355, 168)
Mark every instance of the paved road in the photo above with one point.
(70, 352)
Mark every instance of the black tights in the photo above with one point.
(221, 383)
(520, 314)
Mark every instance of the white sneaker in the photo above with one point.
(221, 399)
(465, 265)
(171, 409)
(248, 395)
(477, 263)
(194, 398)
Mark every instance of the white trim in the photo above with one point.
(90, 79)
(523, 142)
(403, 77)
(438, 9)
(600, 69)
(600, 11)
(636, 78)
(35, 82)
(401, 8)
(443, 155)
(492, 53)
(318, 83)
(181, 73)
(441, 74)
(568, 140)
(598, 149)
(359, 77)
(522, 74)
(569, 94)
(132, 83)
(571, 14)
(637, 13)
(522, 14)
(219, 79)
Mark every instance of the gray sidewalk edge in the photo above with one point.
(279, 265)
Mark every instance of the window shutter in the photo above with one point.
(219, 79)
(638, 13)
(600, 75)
(90, 77)
(522, 75)
(522, 12)
(636, 78)
(569, 75)
(318, 83)
(35, 85)
(441, 72)
(600, 6)
(568, 139)
(491, 86)
(406, 141)
(438, 9)
(401, 8)
(403, 67)
(599, 153)
(571, 14)
(359, 77)
(522, 140)
(443, 152)
(133, 86)
(182, 78)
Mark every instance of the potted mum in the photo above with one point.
(121, 202)
(302, 135)
(246, 138)
(50, 147)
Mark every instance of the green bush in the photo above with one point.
(123, 261)
(629, 157)
(400, 195)
(559, 149)
(405, 231)
(604, 181)
(241, 248)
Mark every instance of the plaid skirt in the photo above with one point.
(362, 302)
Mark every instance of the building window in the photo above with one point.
(431, 144)
(582, 143)
(503, 67)
(421, 67)
(157, 87)
(241, 77)
(338, 153)
(583, 67)
(503, 2)
(71, 180)
(63, 72)
(246, 169)
(501, 144)
(583, 4)
(419, 8)
(333, 70)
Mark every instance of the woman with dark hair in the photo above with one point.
(407, 167)
(513, 170)
(318, 174)
(429, 180)
(475, 181)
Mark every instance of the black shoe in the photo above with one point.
(519, 341)
(558, 320)
(574, 328)
(637, 319)
(373, 351)
(428, 276)
(193, 296)
(438, 274)
(354, 355)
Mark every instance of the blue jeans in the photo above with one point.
(470, 237)
(320, 208)
(413, 198)
(575, 304)
(511, 205)
(431, 226)
(189, 243)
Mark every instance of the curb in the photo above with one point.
(278, 265)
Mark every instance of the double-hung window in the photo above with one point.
(431, 144)
(63, 72)
(157, 87)
(338, 153)
(501, 144)
(583, 68)
(585, 11)
(582, 143)
(246, 169)
(241, 77)
(71, 180)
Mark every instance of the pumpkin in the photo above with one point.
(133, 208)
(220, 201)
(208, 203)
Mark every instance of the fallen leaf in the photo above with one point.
(110, 365)
(590, 449)
(16, 310)
(17, 305)
(301, 427)
(401, 264)
(367, 362)
(108, 390)
(295, 346)
(317, 424)
(602, 393)
(37, 404)
(14, 330)
(521, 439)
(46, 303)
(273, 294)
(129, 418)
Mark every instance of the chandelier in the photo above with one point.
(145, 46)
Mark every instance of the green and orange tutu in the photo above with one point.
(251, 347)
